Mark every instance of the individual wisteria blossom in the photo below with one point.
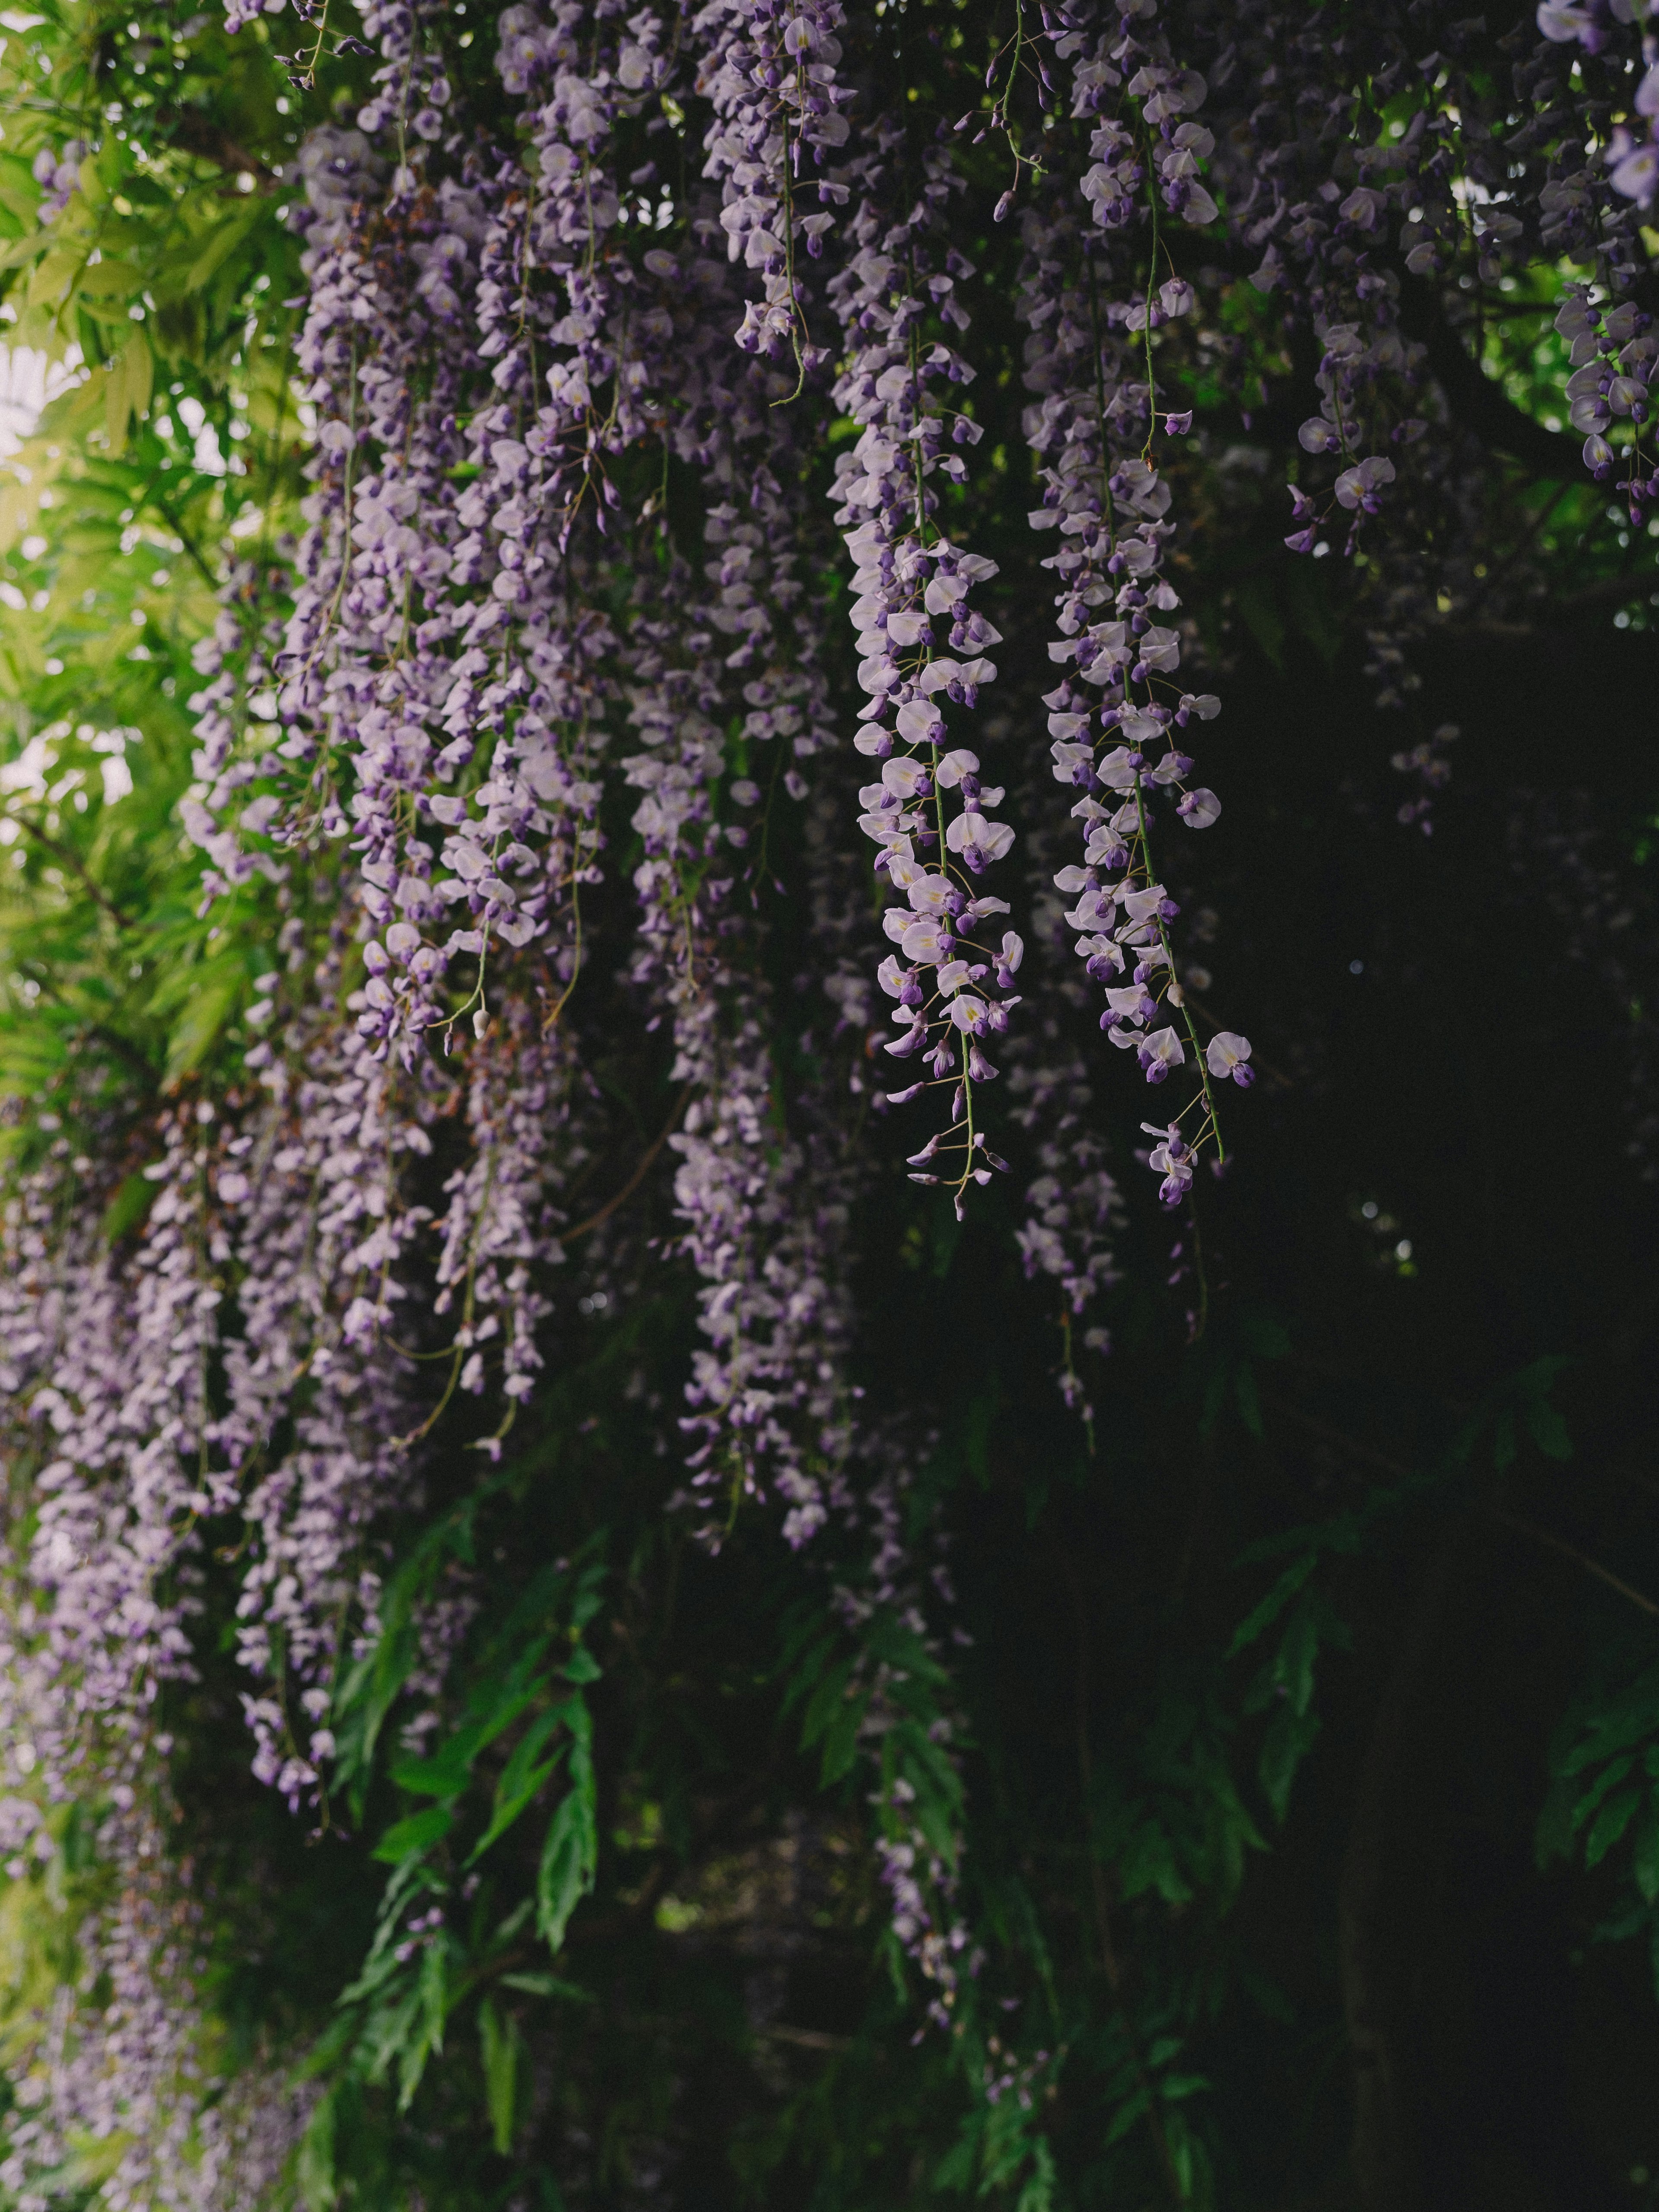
(1119, 715)
(58, 175)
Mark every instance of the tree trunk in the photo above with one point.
(1387, 2170)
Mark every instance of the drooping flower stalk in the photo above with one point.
(128, 2063)
(111, 1412)
(768, 1391)
(323, 1235)
(1093, 298)
(931, 815)
(770, 75)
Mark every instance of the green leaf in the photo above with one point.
(955, 2171)
(1263, 1335)
(431, 2007)
(1611, 1823)
(417, 1834)
(1299, 1654)
(212, 1005)
(132, 1199)
(570, 1856)
(1274, 1604)
(1126, 2116)
(1262, 617)
(446, 1774)
(1038, 2194)
(840, 1739)
(1286, 1744)
(1608, 1780)
(1174, 2087)
(522, 1780)
(314, 2165)
(1632, 1716)
(546, 1985)
(127, 385)
(1149, 1862)
(222, 242)
(804, 1675)
(827, 1700)
(1549, 1430)
(1644, 1852)
(503, 2046)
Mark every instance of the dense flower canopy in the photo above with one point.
(685, 1049)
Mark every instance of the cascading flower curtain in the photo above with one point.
(651, 672)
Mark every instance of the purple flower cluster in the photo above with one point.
(125, 2062)
(770, 76)
(1613, 351)
(1633, 155)
(1119, 716)
(930, 814)
(58, 175)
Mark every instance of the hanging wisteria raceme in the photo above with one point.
(1632, 154)
(126, 2064)
(508, 663)
(108, 1381)
(768, 1393)
(766, 1212)
(1074, 1206)
(895, 291)
(1321, 249)
(432, 608)
(931, 815)
(770, 76)
(1093, 299)
(322, 1240)
(500, 1229)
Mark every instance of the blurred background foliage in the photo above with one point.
(1311, 1781)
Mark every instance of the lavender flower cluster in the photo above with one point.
(1118, 718)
